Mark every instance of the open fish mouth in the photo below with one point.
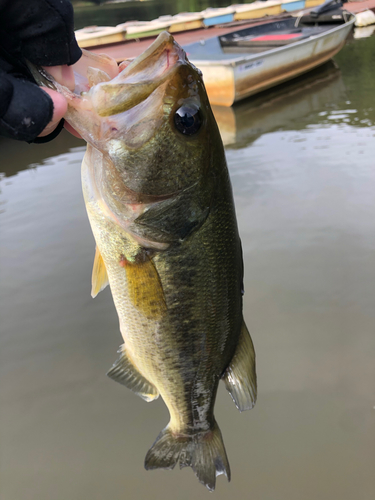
(140, 78)
(105, 90)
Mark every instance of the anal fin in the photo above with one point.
(99, 279)
(124, 372)
(240, 376)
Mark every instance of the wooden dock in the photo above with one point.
(356, 7)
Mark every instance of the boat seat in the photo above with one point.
(275, 39)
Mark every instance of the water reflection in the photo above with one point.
(17, 156)
(286, 107)
(364, 32)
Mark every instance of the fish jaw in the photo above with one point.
(111, 92)
(140, 78)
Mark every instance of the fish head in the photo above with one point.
(152, 122)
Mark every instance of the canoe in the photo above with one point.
(142, 29)
(248, 61)
(184, 21)
(213, 16)
(312, 3)
(290, 6)
(257, 9)
(261, 8)
(99, 35)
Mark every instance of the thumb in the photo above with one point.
(60, 107)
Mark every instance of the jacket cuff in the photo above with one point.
(52, 135)
(26, 109)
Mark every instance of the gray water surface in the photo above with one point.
(302, 164)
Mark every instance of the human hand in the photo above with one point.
(65, 76)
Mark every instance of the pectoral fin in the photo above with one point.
(176, 218)
(240, 376)
(99, 279)
(145, 289)
(124, 372)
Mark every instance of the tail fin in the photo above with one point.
(204, 452)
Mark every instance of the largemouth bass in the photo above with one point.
(159, 201)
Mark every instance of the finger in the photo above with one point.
(62, 74)
(60, 107)
(59, 110)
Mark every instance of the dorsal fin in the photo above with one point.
(124, 372)
(99, 279)
(240, 376)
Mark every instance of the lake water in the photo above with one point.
(302, 164)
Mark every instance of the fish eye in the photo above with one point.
(187, 120)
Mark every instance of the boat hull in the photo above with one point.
(186, 26)
(229, 81)
(220, 19)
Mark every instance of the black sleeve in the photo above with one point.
(44, 29)
(25, 109)
(41, 31)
